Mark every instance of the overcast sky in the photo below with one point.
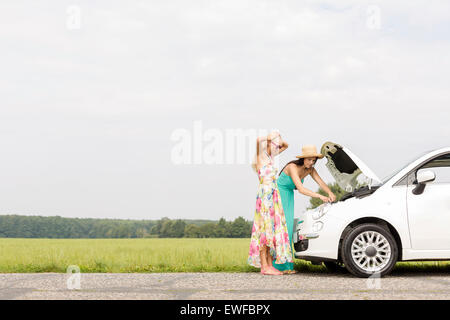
(92, 91)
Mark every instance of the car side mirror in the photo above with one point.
(423, 177)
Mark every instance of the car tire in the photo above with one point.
(369, 250)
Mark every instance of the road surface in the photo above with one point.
(222, 286)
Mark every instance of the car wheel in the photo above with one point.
(334, 266)
(369, 250)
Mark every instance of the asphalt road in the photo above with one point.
(222, 286)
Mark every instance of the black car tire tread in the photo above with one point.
(346, 247)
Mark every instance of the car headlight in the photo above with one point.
(321, 211)
(317, 226)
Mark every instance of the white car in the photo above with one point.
(403, 217)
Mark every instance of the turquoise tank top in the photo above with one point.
(284, 181)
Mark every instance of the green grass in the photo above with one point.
(422, 266)
(146, 255)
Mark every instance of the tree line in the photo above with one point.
(18, 226)
(239, 228)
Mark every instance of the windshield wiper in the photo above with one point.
(360, 192)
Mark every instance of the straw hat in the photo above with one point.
(310, 151)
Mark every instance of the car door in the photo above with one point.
(429, 211)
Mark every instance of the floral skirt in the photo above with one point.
(269, 228)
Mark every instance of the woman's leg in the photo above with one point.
(266, 262)
(263, 258)
(269, 261)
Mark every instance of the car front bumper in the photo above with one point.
(321, 245)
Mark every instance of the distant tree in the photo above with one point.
(157, 228)
(192, 231)
(141, 233)
(177, 229)
(240, 228)
(223, 228)
(208, 230)
(166, 227)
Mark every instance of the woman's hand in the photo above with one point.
(324, 199)
(276, 142)
(283, 145)
(332, 197)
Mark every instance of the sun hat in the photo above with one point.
(310, 151)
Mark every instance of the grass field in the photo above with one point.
(147, 255)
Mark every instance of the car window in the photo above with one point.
(441, 167)
(404, 180)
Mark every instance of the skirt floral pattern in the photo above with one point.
(269, 224)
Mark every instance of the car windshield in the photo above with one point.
(385, 179)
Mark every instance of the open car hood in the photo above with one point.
(345, 167)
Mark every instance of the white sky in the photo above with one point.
(86, 115)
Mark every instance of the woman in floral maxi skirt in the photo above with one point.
(270, 238)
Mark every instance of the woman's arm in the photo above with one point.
(284, 145)
(278, 142)
(292, 170)
(259, 148)
(259, 142)
(322, 184)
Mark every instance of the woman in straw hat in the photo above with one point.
(291, 178)
(270, 238)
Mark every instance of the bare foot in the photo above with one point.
(269, 271)
(275, 269)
